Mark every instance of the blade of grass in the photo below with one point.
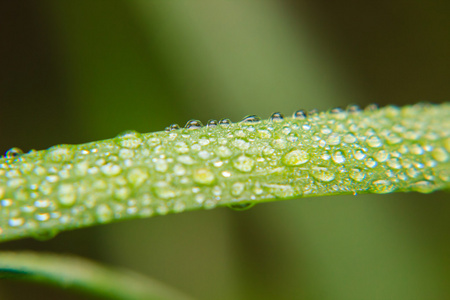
(231, 164)
(75, 273)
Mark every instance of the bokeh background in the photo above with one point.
(78, 71)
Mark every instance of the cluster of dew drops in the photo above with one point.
(291, 157)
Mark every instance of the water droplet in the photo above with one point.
(286, 130)
(292, 137)
(440, 154)
(125, 153)
(276, 117)
(370, 162)
(164, 190)
(6, 202)
(444, 175)
(181, 147)
(251, 119)
(392, 110)
(349, 138)
(447, 144)
(111, 169)
(282, 190)
(225, 122)
(122, 193)
(264, 134)
(325, 130)
(204, 154)
(137, 176)
(416, 149)
(160, 164)
(295, 158)
(423, 186)
(412, 135)
(338, 157)
(279, 144)
(203, 176)
(129, 139)
(44, 235)
(322, 174)
(226, 174)
(313, 112)
(411, 172)
(306, 126)
(394, 163)
(244, 163)
(60, 153)
(237, 188)
(223, 151)
(299, 114)
(193, 124)
(381, 156)
(152, 142)
(179, 207)
(212, 123)
(67, 194)
(42, 203)
(186, 159)
(333, 139)
(357, 175)
(13, 152)
(353, 108)
(104, 213)
(42, 217)
(393, 138)
(359, 155)
(336, 110)
(241, 207)
(217, 191)
(16, 222)
(174, 127)
(241, 144)
(325, 156)
(162, 209)
(382, 186)
(374, 141)
(179, 170)
(371, 107)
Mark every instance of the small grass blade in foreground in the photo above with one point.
(225, 164)
(80, 274)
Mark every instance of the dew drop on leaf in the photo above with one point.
(423, 186)
(174, 127)
(353, 108)
(276, 117)
(203, 176)
(336, 110)
(323, 174)
(382, 186)
(13, 152)
(244, 163)
(241, 207)
(225, 122)
(251, 119)
(299, 114)
(129, 139)
(212, 123)
(193, 124)
(295, 158)
(44, 235)
(313, 112)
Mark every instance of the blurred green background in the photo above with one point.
(78, 71)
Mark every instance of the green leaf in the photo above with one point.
(80, 274)
(231, 164)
